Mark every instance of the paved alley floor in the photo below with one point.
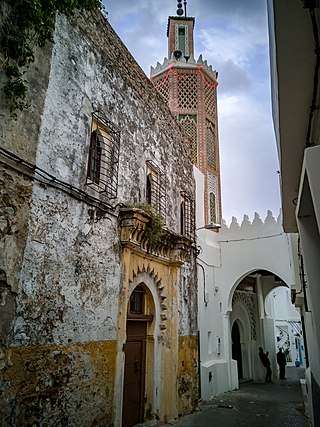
(253, 405)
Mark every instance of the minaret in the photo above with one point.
(190, 89)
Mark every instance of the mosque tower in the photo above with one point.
(190, 89)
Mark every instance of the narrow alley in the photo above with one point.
(254, 404)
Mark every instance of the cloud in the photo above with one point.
(248, 158)
(235, 50)
(232, 78)
(231, 42)
(217, 10)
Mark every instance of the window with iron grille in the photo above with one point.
(187, 216)
(136, 305)
(155, 189)
(103, 160)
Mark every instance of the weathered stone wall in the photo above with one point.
(26, 127)
(20, 137)
(188, 303)
(188, 379)
(60, 329)
(59, 385)
(15, 191)
(66, 298)
(70, 274)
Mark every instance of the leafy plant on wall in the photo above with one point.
(154, 229)
(26, 24)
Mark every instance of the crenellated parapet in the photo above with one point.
(182, 62)
(251, 229)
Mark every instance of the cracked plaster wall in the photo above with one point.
(61, 321)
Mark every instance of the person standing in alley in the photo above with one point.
(281, 360)
(266, 363)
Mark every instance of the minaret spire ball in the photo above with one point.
(180, 8)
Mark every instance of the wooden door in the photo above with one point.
(134, 373)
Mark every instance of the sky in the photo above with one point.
(232, 35)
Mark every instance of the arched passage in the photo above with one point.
(251, 323)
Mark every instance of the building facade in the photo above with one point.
(98, 268)
(294, 55)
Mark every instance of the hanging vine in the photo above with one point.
(26, 24)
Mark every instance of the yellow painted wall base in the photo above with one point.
(188, 379)
(59, 385)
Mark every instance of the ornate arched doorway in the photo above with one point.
(139, 319)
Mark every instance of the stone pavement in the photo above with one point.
(255, 404)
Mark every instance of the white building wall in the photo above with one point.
(224, 259)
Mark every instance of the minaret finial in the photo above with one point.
(180, 10)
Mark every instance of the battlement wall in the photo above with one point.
(247, 229)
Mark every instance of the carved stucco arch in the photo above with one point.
(245, 309)
(153, 284)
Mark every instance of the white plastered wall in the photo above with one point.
(225, 258)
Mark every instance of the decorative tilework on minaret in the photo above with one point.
(190, 89)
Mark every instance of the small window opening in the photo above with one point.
(137, 301)
(149, 190)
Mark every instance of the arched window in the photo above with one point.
(103, 158)
(189, 123)
(211, 145)
(212, 207)
(95, 154)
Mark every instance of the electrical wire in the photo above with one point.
(40, 175)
